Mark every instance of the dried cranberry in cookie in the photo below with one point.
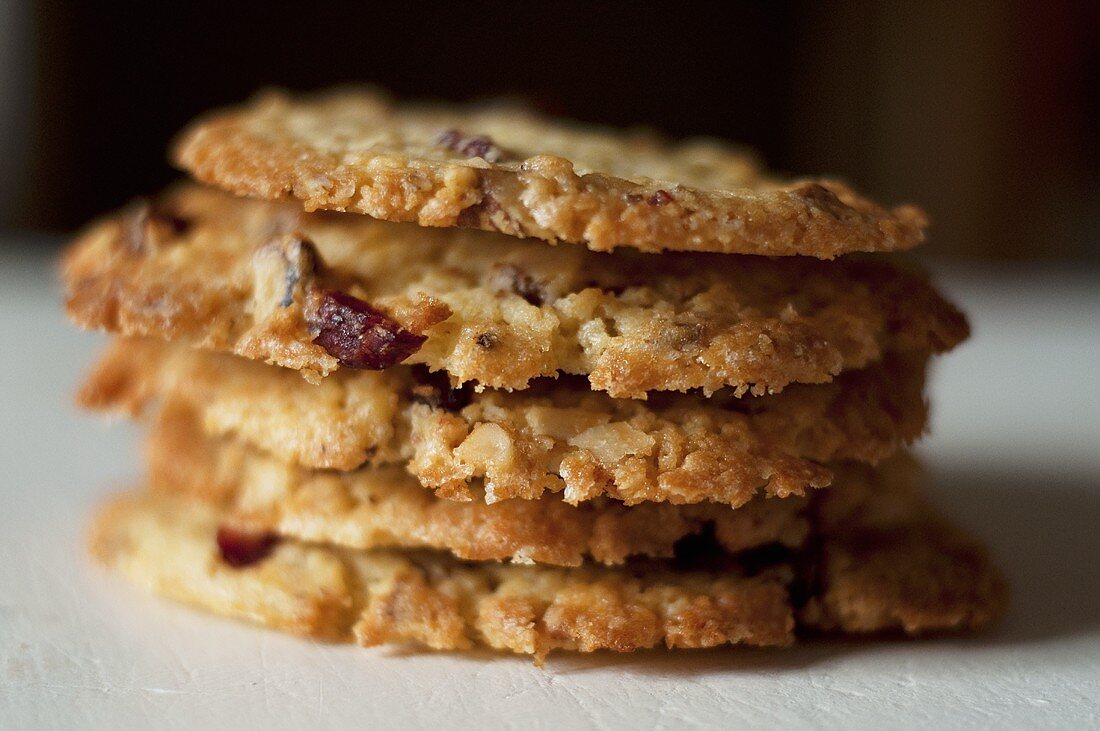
(241, 548)
(358, 335)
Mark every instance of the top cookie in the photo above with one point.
(507, 169)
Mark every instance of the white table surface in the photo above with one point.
(1015, 456)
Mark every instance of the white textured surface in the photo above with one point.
(1016, 456)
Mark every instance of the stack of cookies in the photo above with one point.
(470, 376)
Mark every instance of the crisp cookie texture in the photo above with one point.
(888, 560)
(312, 292)
(376, 597)
(557, 436)
(386, 508)
(507, 169)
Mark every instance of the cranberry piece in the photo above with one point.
(358, 335)
(660, 198)
(449, 138)
(471, 145)
(477, 147)
(241, 548)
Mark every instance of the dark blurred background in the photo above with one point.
(986, 113)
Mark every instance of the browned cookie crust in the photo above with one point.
(312, 292)
(387, 508)
(556, 437)
(507, 169)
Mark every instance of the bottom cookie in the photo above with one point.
(175, 547)
(883, 561)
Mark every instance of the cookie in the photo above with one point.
(180, 549)
(387, 508)
(889, 563)
(321, 291)
(507, 169)
(557, 436)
